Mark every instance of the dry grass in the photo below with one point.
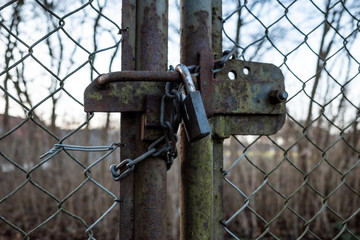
(305, 186)
(282, 169)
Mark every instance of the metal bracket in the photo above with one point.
(130, 91)
(150, 127)
(251, 103)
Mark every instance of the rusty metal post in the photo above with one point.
(143, 192)
(196, 158)
(150, 175)
(129, 128)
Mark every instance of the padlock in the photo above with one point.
(193, 111)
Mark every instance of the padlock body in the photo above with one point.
(194, 117)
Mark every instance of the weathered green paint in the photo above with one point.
(224, 126)
(218, 148)
(196, 189)
(217, 24)
(218, 182)
(196, 157)
(247, 93)
(120, 97)
(94, 96)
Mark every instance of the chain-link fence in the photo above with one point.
(303, 182)
(54, 158)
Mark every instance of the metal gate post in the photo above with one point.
(150, 175)
(129, 128)
(143, 215)
(196, 196)
(218, 146)
(252, 103)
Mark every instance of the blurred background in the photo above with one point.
(303, 182)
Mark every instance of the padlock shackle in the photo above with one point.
(187, 78)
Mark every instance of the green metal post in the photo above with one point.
(196, 158)
(218, 204)
(216, 6)
(218, 145)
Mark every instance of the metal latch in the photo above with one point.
(253, 102)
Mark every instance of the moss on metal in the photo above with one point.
(196, 189)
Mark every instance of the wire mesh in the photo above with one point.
(303, 182)
(51, 189)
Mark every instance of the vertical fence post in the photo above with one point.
(218, 144)
(129, 128)
(196, 158)
(150, 175)
(143, 212)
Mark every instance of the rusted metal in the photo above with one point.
(253, 102)
(216, 29)
(119, 97)
(196, 29)
(151, 116)
(150, 175)
(128, 45)
(137, 76)
(224, 126)
(129, 131)
(248, 92)
(128, 128)
(256, 91)
(206, 80)
(196, 158)
(244, 102)
(151, 128)
(277, 96)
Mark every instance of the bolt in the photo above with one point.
(278, 96)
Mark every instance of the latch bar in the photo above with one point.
(137, 76)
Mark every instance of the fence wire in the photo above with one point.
(51, 189)
(303, 182)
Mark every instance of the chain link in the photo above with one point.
(218, 63)
(165, 146)
(170, 127)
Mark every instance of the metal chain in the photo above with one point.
(170, 126)
(164, 146)
(56, 147)
(218, 63)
